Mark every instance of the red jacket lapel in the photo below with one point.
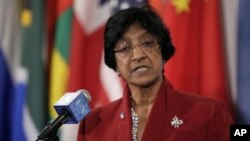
(157, 119)
(123, 127)
(167, 105)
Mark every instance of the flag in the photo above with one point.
(6, 82)
(199, 64)
(11, 99)
(6, 92)
(243, 62)
(60, 52)
(33, 62)
(77, 56)
(59, 65)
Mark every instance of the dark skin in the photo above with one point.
(142, 71)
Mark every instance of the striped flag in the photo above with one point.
(59, 65)
(199, 64)
(11, 78)
(33, 62)
(60, 53)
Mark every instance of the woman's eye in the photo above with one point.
(147, 43)
(125, 48)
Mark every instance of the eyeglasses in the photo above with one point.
(124, 48)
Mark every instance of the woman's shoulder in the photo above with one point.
(188, 97)
(105, 110)
(198, 97)
(204, 103)
(99, 116)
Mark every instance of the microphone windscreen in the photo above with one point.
(76, 103)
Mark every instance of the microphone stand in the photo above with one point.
(49, 133)
(52, 137)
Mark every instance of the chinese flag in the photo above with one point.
(198, 65)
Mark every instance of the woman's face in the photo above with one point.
(138, 57)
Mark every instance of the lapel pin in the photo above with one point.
(176, 122)
(122, 115)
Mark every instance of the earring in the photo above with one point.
(164, 61)
(119, 75)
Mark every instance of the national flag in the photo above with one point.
(11, 98)
(199, 64)
(6, 92)
(33, 61)
(243, 96)
(6, 82)
(60, 50)
(60, 53)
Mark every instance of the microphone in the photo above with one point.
(72, 107)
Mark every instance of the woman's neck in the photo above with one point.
(144, 95)
(142, 100)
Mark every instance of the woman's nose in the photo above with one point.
(137, 53)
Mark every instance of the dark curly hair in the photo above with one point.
(146, 16)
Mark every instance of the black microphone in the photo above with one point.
(72, 107)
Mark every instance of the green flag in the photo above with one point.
(33, 47)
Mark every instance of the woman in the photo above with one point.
(137, 45)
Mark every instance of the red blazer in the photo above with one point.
(203, 119)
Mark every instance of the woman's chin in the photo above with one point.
(144, 81)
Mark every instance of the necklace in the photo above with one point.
(135, 121)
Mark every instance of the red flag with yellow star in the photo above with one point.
(199, 63)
